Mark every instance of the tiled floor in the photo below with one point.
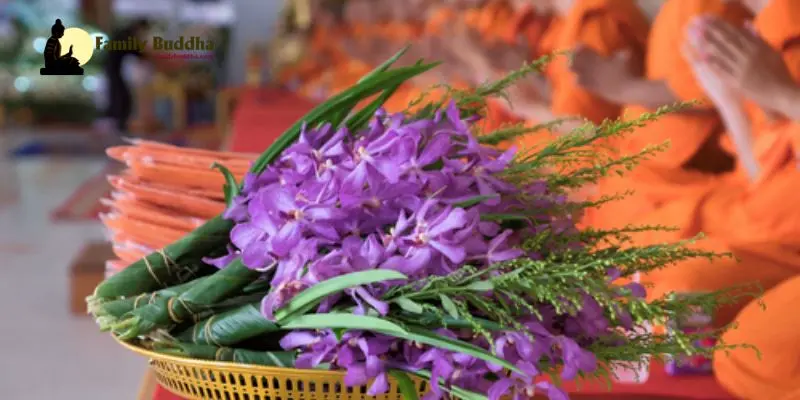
(45, 352)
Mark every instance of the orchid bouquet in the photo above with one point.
(399, 245)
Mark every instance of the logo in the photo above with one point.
(67, 49)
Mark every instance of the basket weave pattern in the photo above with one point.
(207, 380)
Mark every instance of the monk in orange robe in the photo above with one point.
(435, 44)
(695, 159)
(762, 149)
(607, 26)
(362, 19)
(518, 41)
(760, 223)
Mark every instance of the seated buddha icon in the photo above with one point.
(54, 62)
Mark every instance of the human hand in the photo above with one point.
(741, 59)
(600, 75)
(727, 102)
(69, 53)
(510, 57)
(715, 88)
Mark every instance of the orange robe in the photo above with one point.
(773, 331)
(326, 43)
(398, 35)
(434, 26)
(733, 207)
(760, 224)
(347, 72)
(693, 137)
(530, 26)
(607, 26)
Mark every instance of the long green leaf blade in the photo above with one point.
(350, 96)
(504, 218)
(384, 65)
(361, 119)
(405, 384)
(426, 337)
(345, 321)
(312, 296)
(231, 188)
(473, 201)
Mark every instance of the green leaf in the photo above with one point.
(449, 306)
(480, 286)
(475, 200)
(361, 119)
(348, 98)
(407, 387)
(231, 188)
(339, 333)
(385, 65)
(432, 339)
(340, 116)
(309, 298)
(409, 305)
(345, 321)
(503, 217)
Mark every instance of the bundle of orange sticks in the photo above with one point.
(164, 193)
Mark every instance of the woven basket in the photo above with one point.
(209, 380)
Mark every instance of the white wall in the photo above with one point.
(255, 21)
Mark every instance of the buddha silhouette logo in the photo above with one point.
(78, 45)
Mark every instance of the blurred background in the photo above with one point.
(53, 169)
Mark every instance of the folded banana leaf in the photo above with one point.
(229, 328)
(282, 359)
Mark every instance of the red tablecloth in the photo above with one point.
(262, 114)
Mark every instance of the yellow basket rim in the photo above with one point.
(228, 366)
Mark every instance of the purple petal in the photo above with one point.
(322, 213)
(454, 253)
(454, 116)
(456, 218)
(268, 305)
(381, 307)
(280, 200)
(287, 238)
(264, 221)
(553, 391)
(488, 228)
(346, 356)
(637, 290)
(372, 250)
(242, 235)
(510, 254)
(379, 386)
(357, 177)
(257, 256)
(437, 148)
(297, 339)
(374, 366)
(500, 388)
(356, 375)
